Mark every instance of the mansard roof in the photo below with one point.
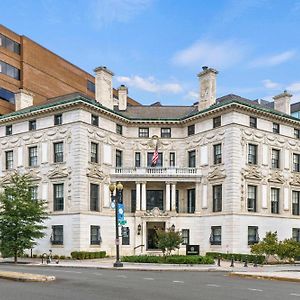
(150, 113)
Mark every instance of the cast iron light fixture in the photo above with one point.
(173, 227)
(139, 228)
(118, 199)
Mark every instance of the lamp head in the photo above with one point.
(119, 186)
(112, 187)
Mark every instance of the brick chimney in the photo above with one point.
(122, 95)
(207, 87)
(104, 89)
(23, 99)
(282, 102)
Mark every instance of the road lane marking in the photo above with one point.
(178, 281)
(213, 285)
(72, 272)
(122, 276)
(256, 290)
(148, 278)
(296, 295)
(98, 274)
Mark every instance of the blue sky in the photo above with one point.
(156, 47)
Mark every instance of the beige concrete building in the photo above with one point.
(228, 169)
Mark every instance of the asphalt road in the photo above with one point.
(86, 284)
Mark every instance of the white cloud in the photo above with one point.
(109, 11)
(219, 55)
(294, 87)
(269, 84)
(192, 96)
(150, 84)
(273, 60)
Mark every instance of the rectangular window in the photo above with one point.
(137, 159)
(119, 129)
(119, 159)
(58, 119)
(217, 154)
(296, 162)
(57, 237)
(276, 128)
(9, 70)
(252, 154)
(7, 95)
(275, 201)
(159, 161)
(191, 129)
(296, 203)
(95, 120)
(253, 122)
(32, 156)
(252, 198)
(9, 44)
(143, 132)
(8, 130)
(9, 160)
(133, 201)
(253, 237)
(165, 132)
(217, 198)
(95, 235)
(58, 149)
(275, 159)
(34, 193)
(296, 234)
(90, 86)
(58, 197)
(216, 235)
(94, 152)
(296, 133)
(32, 125)
(191, 201)
(217, 122)
(192, 159)
(125, 235)
(94, 197)
(172, 159)
(185, 234)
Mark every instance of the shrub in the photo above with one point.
(171, 259)
(237, 257)
(87, 255)
(62, 257)
(168, 240)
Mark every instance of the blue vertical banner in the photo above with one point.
(121, 213)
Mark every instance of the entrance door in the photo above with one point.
(151, 234)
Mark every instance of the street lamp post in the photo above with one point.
(112, 188)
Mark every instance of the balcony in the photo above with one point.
(157, 172)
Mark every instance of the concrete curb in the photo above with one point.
(264, 276)
(25, 277)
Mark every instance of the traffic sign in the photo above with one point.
(124, 222)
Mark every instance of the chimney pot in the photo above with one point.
(23, 99)
(282, 102)
(204, 68)
(122, 95)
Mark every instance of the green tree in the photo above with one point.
(268, 246)
(289, 249)
(21, 217)
(168, 240)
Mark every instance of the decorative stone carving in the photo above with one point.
(252, 173)
(95, 172)
(295, 179)
(276, 177)
(155, 212)
(216, 174)
(34, 174)
(58, 172)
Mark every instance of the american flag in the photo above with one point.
(154, 158)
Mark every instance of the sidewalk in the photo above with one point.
(280, 272)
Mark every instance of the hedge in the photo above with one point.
(173, 259)
(87, 255)
(237, 257)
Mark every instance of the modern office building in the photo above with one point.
(228, 169)
(29, 67)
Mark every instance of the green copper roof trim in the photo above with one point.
(81, 98)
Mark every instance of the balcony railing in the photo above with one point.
(157, 171)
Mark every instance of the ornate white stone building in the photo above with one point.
(228, 168)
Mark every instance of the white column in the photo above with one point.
(286, 198)
(264, 196)
(144, 196)
(198, 197)
(167, 208)
(204, 196)
(173, 196)
(138, 196)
